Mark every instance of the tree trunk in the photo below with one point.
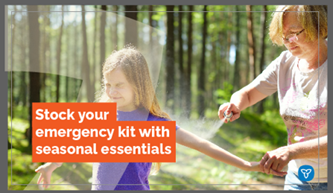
(153, 46)
(34, 81)
(23, 84)
(102, 44)
(115, 29)
(23, 87)
(251, 41)
(131, 28)
(95, 62)
(236, 81)
(214, 67)
(222, 41)
(59, 56)
(78, 67)
(202, 80)
(102, 33)
(12, 75)
(47, 56)
(170, 60)
(180, 53)
(229, 34)
(224, 46)
(23, 52)
(151, 24)
(189, 62)
(68, 56)
(263, 47)
(85, 61)
(43, 58)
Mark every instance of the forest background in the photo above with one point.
(208, 52)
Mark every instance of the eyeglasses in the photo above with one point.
(292, 37)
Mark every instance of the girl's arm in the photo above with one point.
(46, 172)
(190, 140)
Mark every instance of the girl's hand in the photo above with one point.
(255, 166)
(45, 173)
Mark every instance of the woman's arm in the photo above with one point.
(240, 100)
(309, 149)
(246, 97)
(280, 157)
(190, 140)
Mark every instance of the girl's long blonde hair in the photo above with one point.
(135, 68)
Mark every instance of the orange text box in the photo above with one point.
(89, 132)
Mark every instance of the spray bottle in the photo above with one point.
(227, 116)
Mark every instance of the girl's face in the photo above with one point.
(119, 90)
(299, 48)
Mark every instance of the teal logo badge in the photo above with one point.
(306, 173)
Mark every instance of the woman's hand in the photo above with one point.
(275, 160)
(239, 101)
(45, 173)
(229, 107)
(255, 167)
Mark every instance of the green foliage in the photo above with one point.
(211, 77)
(267, 127)
(16, 134)
(19, 111)
(21, 167)
(17, 124)
(160, 12)
(216, 8)
(271, 7)
(224, 95)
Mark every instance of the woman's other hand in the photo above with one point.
(255, 166)
(275, 160)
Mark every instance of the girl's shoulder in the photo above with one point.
(152, 117)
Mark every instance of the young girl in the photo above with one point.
(127, 82)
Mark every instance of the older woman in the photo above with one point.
(299, 75)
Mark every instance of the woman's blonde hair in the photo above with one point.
(134, 66)
(307, 15)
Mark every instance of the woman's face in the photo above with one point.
(119, 90)
(299, 48)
